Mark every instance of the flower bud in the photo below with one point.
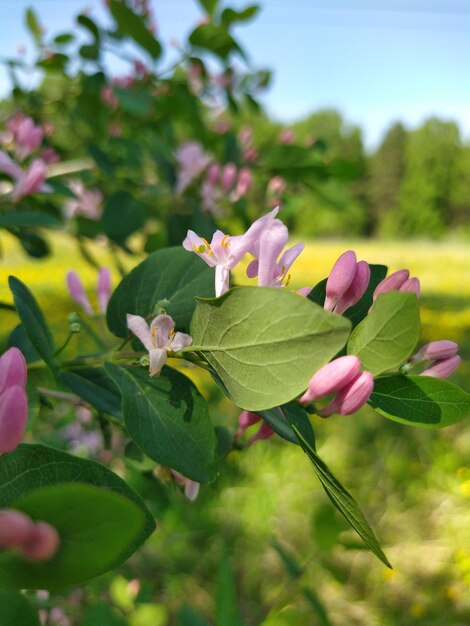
(77, 291)
(356, 289)
(392, 282)
(229, 176)
(244, 182)
(13, 369)
(332, 377)
(436, 350)
(42, 542)
(340, 278)
(13, 417)
(213, 174)
(351, 397)
(412, 285)
(104, 288)
(442, 368)
(245, 420)
(264, 432)
(15, 528)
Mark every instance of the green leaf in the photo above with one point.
(216, 39)
(136, 102)
(419, 400)
(359, 311)
(28, 218)
(172, 274)
(168, 419)
(132, 25)
(94, 385)
(34, 245)
(189, 616)
(226, 609)
(32, 466)
(96, 528)
(16, 610)
(122, 216)
(33, 321)
(281, 417)
(229, 16)
(209, 6)
(19, 338)
(343, 500)
(90, 25)
(34, 26)
(265, 343)
(387, 336)
(103, 615)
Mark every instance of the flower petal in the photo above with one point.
(221, 280)
(13, 417)
(158, 357)
(180, 341)
(160, 329)
(140, 328)
(13, 369)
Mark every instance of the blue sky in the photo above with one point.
(375, 60)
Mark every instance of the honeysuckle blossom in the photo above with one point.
(346, 283)
(224, 252)
(103, 290)
(38, 541)
(192, 161)
(26, 135)
(31, 181)
(443, 356)
(88, 202)
(224, 182)
(13, 399)
(351, 397)
(442, 368)
(159, 338)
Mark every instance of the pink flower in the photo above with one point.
(10, 167)
(192, 161)
(31, 181)
(50, 156)
(228, 176)
(398, 281)
(436, 350)
(191, 487)
(276, 186)
(442, 368)
(159, 338)
(103, 290)
(37, 541)
(13, 399)
(88, 202)
(346, 283)
(286, 136)
(247, 419)
(351, 397)
(28, 138)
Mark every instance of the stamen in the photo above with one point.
(286, 284)
(225, 241)
(201, 249)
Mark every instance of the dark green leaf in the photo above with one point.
(189, 616)
(136, 102)
(89, 52)
(63, 39)
(97, 529)
(387, 336)
(278, 421)
(209, 6)
(172, 274)
(132, 25)
(28, 218)
(226, 609)
(16, 610)
(216, 39)
(343, 500)
(419, 400)
(168, 419)
(19, 338)
(103, 615)
(33, 25)
(229, 16)
(265, 343)
(32, 466)
(33, 321)
(122, 216)
(93, 385)
(34, 245)
(90, 25)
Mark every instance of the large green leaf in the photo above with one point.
(96, 529)
(94, 385)
(33, 321)
(132, 25)
(168, 419)
(15, 609)
(265, 343)
(420, 400)
(387, 336)
(171, 274)
(343, 500)
(32, 466)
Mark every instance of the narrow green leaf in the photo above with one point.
(278, 421)
(94, 385)
(34, 26)
(90, 25)
(168, 419)
(171, 274)
(28, 218)
(33, 321)
(209, 6)
(16, 610)
(265, 343)
(32, 466)
(230, 16)
(226, 609)
(96, 529)
(343, 500)
(387, 336)
(419, 400)
(216, 39)
(132, 25)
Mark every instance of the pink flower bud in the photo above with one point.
(13, 369)
(77, 291)
(286, 136)
(244, 182)
(340, 278)
(356, 289)
(351, 397)
(442, 368)
(15, 528)
(436, 350)
(229, 176)
(42, 542)
(104, 288)
(392, 282)
(412, 285)
(264, 432)
(13, 417)
(245, 420)
(332, 377)
(276, 186)
(213, 174)
(50, 156)
(28, 137)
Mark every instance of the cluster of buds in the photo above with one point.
(247, 419)
(192, 161)
(342, 377)
(398, 281)
(37, 541)
(103, 290)
(347, 282)
(13, 399)
(245, 136)
(226, 181)
(442, 356)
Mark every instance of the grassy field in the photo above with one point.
(413, 484)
